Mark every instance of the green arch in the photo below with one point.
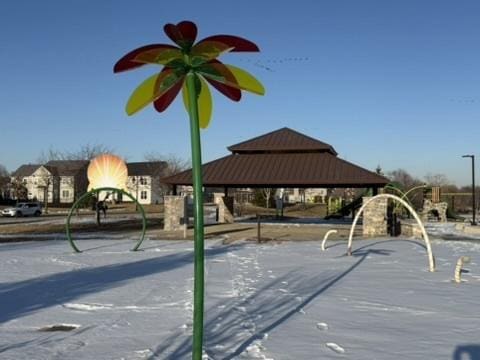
(92, 192)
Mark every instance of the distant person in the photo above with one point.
(104, 209)
(100, 206)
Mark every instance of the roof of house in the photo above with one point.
(66, 167)
(144, 168)
(51, 169)
(271, 160)
(25, 170)
(284, 140)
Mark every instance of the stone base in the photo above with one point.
(374, 218)
(174, 213)
(225, 208)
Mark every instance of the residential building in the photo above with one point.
(64, 181)
(144, 181)
(59, 182)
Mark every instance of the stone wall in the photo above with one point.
(375, 217)
(410, 228)
(174, 212)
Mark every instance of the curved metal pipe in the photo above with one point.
(431, 260)
(92, 192)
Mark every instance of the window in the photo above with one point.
(143, 181)
(65, 193)
(143, 195)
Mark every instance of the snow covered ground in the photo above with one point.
(269, 301)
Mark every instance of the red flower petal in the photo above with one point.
(182, 34)
(164, 101)
(228, 91)
(237, 43)
(127, 62)
(217, 74)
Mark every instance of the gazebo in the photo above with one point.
(283, 158)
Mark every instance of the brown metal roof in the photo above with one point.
(151, 168)
(282, 170)
(283, 140)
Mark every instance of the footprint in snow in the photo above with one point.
(335, 347)
(322, 326)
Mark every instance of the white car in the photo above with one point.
(23, 209)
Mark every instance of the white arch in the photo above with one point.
(326, 237)
(431, 261)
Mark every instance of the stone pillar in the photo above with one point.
(174, 210)
(225, 207)
(375, 218)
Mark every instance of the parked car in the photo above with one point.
(24, 209)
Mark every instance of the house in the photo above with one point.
(143, 181)
(64, 181)
(59, 181)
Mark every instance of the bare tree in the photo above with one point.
(84, 152)
(267, 195)
(19, 189)
(437, 180)
(4, 181)
(175, 164)
(404, 179)
(89, 151)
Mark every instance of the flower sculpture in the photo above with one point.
(189, 67)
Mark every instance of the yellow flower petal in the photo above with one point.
(151, 89)
(246, 81)
(143, 95)
(204, 102)
(205, 105)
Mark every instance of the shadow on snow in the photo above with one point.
(24, 297)
(259, 313)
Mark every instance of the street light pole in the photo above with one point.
(474, 208)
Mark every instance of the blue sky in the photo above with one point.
(395, 83)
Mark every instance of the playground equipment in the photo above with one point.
(451, 196)
(326, 237)
(93, 192)
(188, 67)
(459, 268)
(107, 173)
(336, 210)
(431, 261)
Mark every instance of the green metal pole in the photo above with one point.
(198, 232)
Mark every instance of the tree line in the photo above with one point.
(462, 203)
